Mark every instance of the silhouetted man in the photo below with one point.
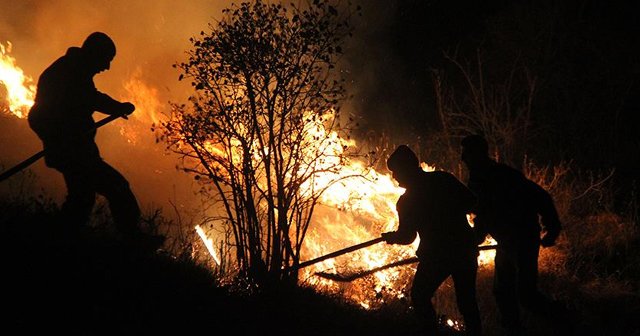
(520, 215)
(434, 206)
(65, 101)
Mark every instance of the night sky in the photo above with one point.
(586, 55)
(405, 39)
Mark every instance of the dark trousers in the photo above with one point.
(83, 183)
(516, 282)
(431, 274)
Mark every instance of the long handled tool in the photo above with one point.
(357, 275)
(35, 157)
(338, 253)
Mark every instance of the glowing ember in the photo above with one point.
(20, 90)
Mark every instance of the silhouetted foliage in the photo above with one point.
(263, 126)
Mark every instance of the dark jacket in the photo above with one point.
(62, 114)
(435, 207)
(511, 208)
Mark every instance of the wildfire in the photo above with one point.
(352, 211)
(356, 209)
(148, 107)
(20, 91)
(144, 97)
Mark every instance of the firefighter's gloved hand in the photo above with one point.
(480, 237)
(549, 239)
(126, 109)
(389, 237)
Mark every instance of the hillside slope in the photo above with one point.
(88, 283)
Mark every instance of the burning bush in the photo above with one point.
(263, 134)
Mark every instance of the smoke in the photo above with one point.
(396, 44)
(377, 79)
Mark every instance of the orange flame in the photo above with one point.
(354, 210)
(144, 97)
(20, 90)
(357, 210)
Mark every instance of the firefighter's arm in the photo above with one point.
(105, 104)
(551, 226)
(549, 218)
(475, 213)
(406, 232)
(466, 198)
(399, 237)
(479, 227)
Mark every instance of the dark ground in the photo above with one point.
(89, 283)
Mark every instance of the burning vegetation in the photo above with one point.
(335, 197)
(19, 88)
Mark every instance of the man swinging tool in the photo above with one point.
(434, 206)
(65, 101)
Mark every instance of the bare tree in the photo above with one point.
(499, 107)
(263, 130)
